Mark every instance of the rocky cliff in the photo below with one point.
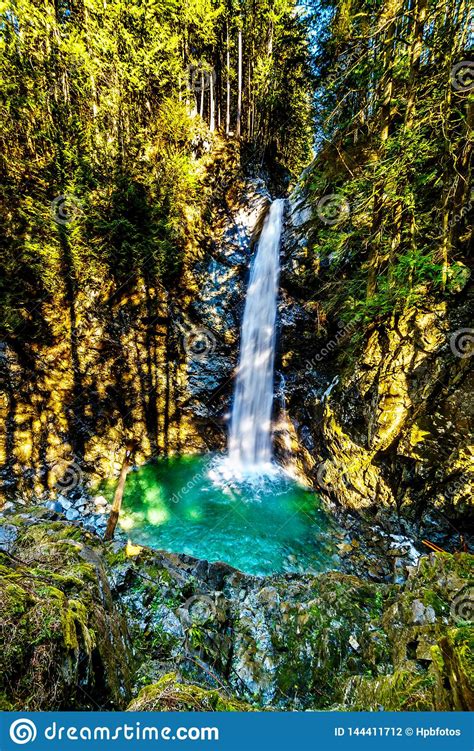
(378, 419)
(89, 626)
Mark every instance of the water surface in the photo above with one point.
(259, 525)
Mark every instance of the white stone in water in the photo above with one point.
(99, 500)
(72, 514)
(65, 502)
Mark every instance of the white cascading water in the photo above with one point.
(250, 440)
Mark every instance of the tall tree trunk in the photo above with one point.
(227, 114)
(415, 55)
(239, 87)
(249, 99)
(203, 88)
(212, 111)
(379, 208)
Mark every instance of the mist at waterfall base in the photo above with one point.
(241, 508)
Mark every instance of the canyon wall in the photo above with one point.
(382, 427)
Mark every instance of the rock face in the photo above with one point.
(207, 637)
(143, 367)
(394, 432)
(381, 419)
(64, 642)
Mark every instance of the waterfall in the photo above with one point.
(250, 440)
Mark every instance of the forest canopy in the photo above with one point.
(118, 117)
(108, 112)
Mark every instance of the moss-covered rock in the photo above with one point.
(404, 690)
(453, 659)
(65, 644)
(172, 694)
(431, 646)
(86, 624)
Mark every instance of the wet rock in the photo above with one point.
(65, 503)
(422, 614)
(65, 644)
(8, 535)
(7, 508)
(168, 621)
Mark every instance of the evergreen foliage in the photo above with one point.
(394, 124)
(119, 107)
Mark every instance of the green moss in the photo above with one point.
(430, 567)
(454, 663)
(437, 656)
(462, 641)
(439, 605)
(5, 704)
(170, 694)
(404, 690)
(54, 612)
